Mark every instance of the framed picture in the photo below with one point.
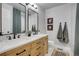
(49, 27)
(50, 21)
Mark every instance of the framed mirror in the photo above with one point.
(13, 18)
(33, 20)
(19, 20)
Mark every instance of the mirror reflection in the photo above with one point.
(13, 18)
(33, 18)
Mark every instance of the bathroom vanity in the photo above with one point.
(21, 19)
(36, 45)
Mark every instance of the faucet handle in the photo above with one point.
(9, 37)
(14, 36)
(18, 36)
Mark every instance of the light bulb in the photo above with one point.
(35, 5)
(31, 3)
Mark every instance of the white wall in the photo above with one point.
(0, 17)
(63, 13)
(41, 19)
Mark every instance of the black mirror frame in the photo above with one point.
(25, 22)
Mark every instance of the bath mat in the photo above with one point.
(59, 52)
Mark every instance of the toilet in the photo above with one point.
(52, 46)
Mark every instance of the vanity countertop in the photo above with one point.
(10, 44)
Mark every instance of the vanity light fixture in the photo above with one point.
(32, 4)
(27, 3)
(35, 6)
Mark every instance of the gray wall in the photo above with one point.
(76, 52)
(0, 17)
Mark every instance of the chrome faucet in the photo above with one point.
(14, 37)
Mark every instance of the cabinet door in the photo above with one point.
(40, 47)
(28, 49)
(41, 50)
(45, 45)
(36, 45)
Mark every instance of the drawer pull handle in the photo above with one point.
(20, 52)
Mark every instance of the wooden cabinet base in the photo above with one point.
(38, 47)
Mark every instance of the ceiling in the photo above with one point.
(49, 5)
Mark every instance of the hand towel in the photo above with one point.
(65, 34)
(59, 35)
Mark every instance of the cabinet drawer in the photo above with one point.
(10, 52)
(16, 51)
(25, 49)
(35, 53)
(36, 42)
(23, 54)
(13, 52)
(28, 49)
(46, 37)
(36, 48)
(18, 54)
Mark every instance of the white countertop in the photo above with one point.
(10, 44)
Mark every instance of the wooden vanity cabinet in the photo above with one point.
(23, 50)
(45, 45)
(38, 47)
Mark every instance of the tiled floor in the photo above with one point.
(51, 49)
(52, 46)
